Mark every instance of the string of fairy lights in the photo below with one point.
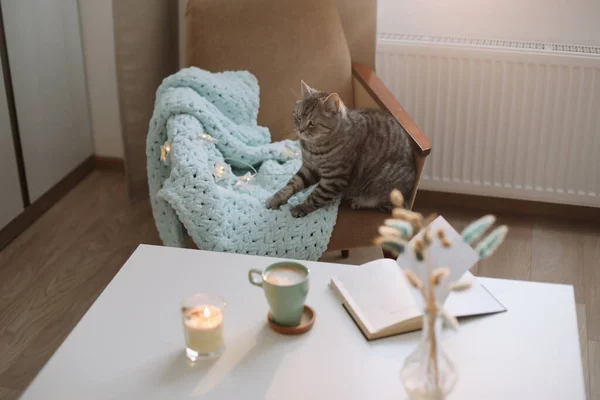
(220, 170)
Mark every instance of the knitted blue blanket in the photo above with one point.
(203, 137)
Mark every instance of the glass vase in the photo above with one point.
(428, 373)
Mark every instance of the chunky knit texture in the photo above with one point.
(217, 212)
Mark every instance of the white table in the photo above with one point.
(130, 343)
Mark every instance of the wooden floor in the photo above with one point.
(52, 273)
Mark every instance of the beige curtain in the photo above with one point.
(146, 48)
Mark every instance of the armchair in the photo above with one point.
(329, 44)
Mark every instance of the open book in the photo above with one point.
(383, 303)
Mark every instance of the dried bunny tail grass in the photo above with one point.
(391, 243)
(477, 228)
(419, 245)
(402, 226)
(450, 320)
(419, 249)
(407, 215)
(441, 234)
(461, 286)
(397, 198)
(438, 275)
(413, 279)
(389, 231)
(427, 238)
(491, 242)
(387, 238)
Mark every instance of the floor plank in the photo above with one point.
(513, 258)
(55, 232)
(557, 255)
(583, 344)
(9, 394)
(91, 264)
(594, 365)
(86, 250)
(591, 265)
(33, 288)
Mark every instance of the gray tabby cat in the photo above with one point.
(360, 154)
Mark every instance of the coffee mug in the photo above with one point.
(286, 286)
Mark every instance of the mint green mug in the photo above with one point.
(286, 286)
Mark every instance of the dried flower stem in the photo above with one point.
(432, 309)
(414, 279)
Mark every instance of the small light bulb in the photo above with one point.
(290, 152)
(244, 179)
(207, 138)
(206, 312)
(164, 151)
(219, 170)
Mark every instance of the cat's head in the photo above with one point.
(317, 114)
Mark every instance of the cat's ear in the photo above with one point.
(305, 90)
(333, 102)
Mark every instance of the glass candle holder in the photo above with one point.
(203, 318)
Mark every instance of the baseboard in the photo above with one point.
(47, 200)
(110, 163)
(496, 205)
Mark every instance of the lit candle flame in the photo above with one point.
(206, 312)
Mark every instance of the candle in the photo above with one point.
(203, 318)
(204, 329)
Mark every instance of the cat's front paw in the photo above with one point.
(300, 211)
(274, 202)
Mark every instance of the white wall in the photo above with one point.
(99, 50)
(559, 21)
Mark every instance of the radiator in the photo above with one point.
(506, 118)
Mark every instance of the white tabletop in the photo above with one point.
(130, 343)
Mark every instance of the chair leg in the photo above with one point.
(387, 254)
(345, 253)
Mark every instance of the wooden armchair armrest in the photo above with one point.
(381, 95)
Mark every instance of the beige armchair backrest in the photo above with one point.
(282, 42)
(359, 19)
(146, 47)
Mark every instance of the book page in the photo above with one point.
(380, 296)
(379, 293)
(475, 301)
